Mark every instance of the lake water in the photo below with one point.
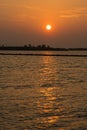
(43, 92)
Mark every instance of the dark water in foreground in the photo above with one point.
(43, 93)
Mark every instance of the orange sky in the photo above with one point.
(23, 22)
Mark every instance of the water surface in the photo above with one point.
(43, 93)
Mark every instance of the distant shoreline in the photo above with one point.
(59, 55)
(39, 48)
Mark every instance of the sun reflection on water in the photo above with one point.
(49, 108)
(47, 71)
(49, 103)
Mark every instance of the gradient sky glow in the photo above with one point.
(24, 22)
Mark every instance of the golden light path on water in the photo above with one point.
(48, 106)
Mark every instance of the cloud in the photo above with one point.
(17, 6)
(15, 13)
(74, 13)
(1, 5)
(69, 16)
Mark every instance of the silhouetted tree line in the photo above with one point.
(38, 47)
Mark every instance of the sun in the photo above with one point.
(48, 27)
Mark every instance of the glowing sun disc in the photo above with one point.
(48, 27)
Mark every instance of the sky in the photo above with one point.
(24, 22)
